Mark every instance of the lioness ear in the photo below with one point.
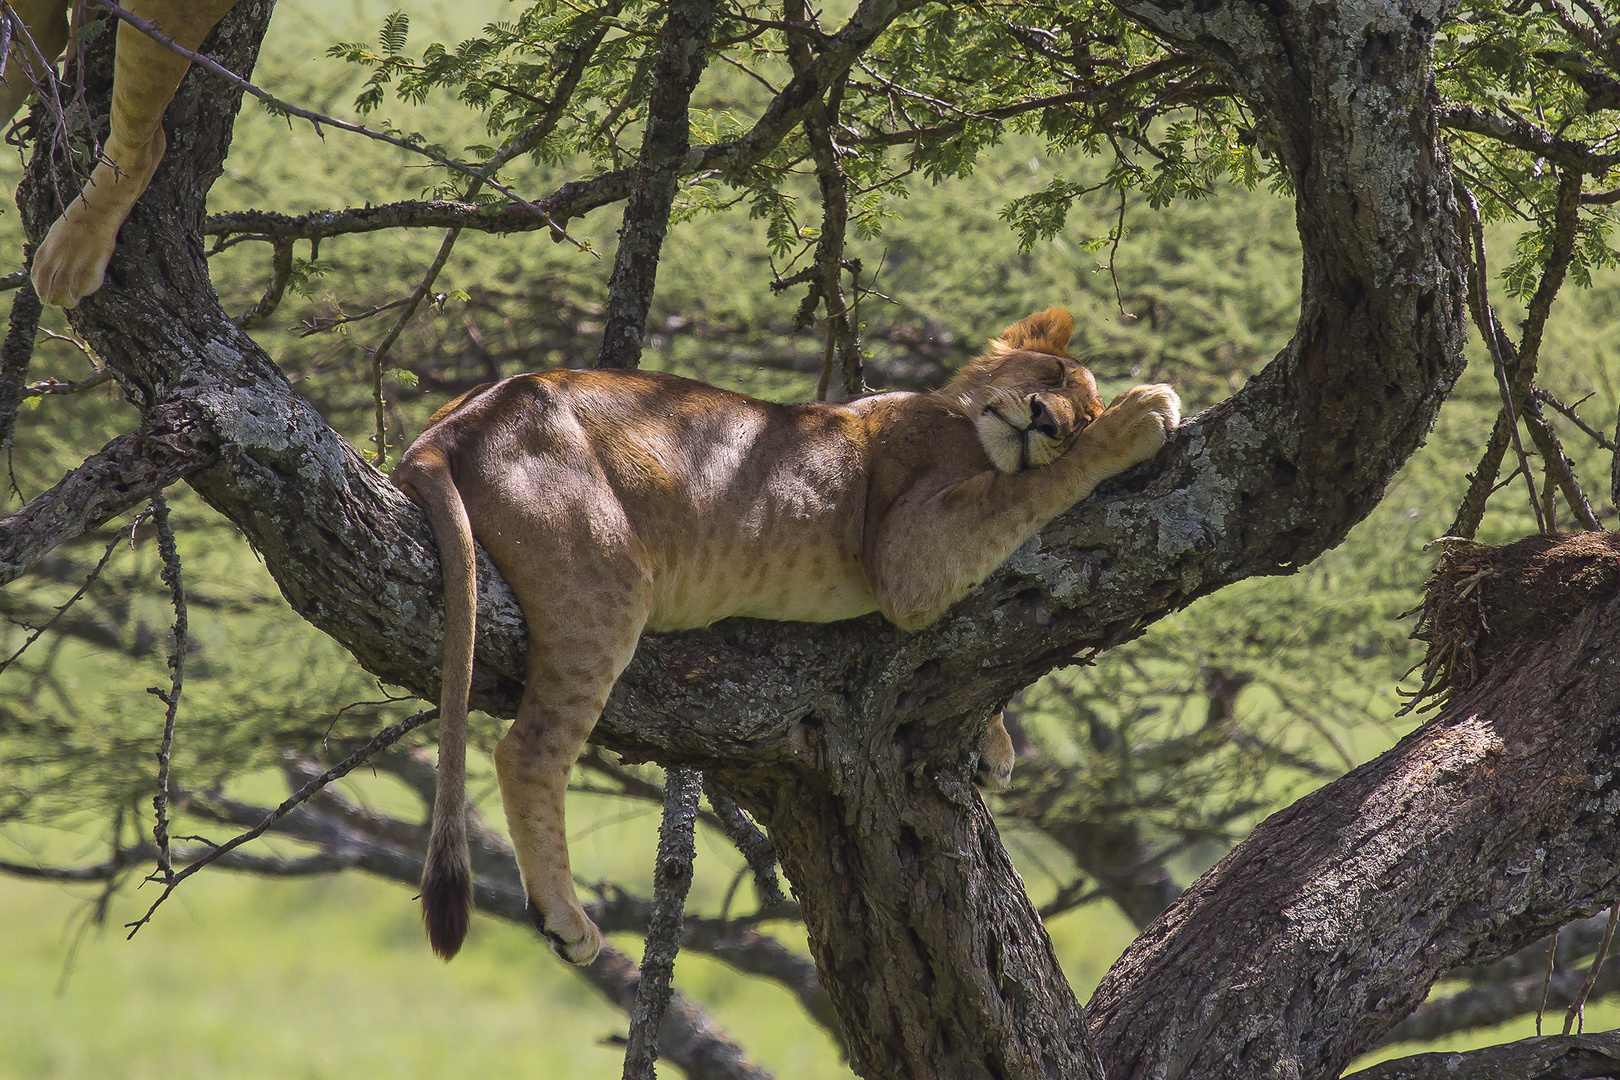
(1045, 331)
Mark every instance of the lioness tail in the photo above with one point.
(447, 874)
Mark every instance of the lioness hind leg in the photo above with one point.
(566, 690)
(72, 259)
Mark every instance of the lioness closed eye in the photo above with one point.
(620, 501)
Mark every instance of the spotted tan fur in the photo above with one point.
(615, 502)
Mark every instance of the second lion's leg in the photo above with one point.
(72, 259)
(996, 757)
(568, 685)
(47, 24)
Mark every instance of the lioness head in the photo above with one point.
(1027, 397)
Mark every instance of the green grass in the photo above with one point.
(252, 978)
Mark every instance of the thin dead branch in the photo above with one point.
(1577, 1008)
(1569, 413)
(177, 666)
(281, 267)
(89, 580)
(752, 842)
(385, 738)
(672, 878)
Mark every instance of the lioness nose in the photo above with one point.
(1041, 418)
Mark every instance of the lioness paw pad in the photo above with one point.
(576, 940)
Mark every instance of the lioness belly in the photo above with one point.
(813, 584)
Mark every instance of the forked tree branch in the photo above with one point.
(174, 441)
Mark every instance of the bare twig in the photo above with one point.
(1496, 342)
(385, 738)
(177, 667)
(1568, 411)
(380, 353)
(57, 386)
(321, 325)
(1577, 1008)
(1546, 982)
(281, 266)
(1490, 1004)
(74, 599)
(13, 280)
(1566, 218)
(672, 877)
(1559, 470)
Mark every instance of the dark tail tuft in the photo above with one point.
(446, 905)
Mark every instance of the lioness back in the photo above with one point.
(728, 505)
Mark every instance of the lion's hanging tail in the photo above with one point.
(447, 875)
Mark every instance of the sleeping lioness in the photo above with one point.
(615, 502)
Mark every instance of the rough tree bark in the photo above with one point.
(681, 59)
(1483, 831)
(854, 743)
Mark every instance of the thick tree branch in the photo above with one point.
(1481, 832)
(174, 441)
(1526, 136)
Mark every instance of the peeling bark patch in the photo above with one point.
(1481, 605)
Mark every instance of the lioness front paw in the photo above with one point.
(1151, 413)
(570, 931)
